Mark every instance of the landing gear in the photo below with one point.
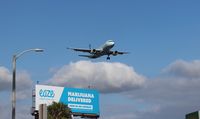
(108, 58)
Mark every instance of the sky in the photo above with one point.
(158, 79)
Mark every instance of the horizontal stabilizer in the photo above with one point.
(85, 56)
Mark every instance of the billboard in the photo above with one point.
(193, 115)
(84, 101)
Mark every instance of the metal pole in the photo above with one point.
(14, 87)
(15, 57)
(42, 111)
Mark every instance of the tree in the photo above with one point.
(58, 111)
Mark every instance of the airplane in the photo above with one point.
(105, 49)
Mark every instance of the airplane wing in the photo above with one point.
(118, 53)
(121, 53)
(91, 51)
(80, 49)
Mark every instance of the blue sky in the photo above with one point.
(159, 34)
(150, 30)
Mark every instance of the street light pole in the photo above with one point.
(14, 87)
(15, 57)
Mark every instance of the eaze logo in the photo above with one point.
(46, 93)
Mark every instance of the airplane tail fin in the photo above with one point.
(90, 47)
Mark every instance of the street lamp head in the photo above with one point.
(38, 50)
(29, 50)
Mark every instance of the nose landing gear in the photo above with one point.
(108, 58)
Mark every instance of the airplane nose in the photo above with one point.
(112, 43)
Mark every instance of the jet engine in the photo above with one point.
(92, 51)
(115, 53)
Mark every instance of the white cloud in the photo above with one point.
(4, 111)
(123, 116)
(5, 79)
(23, 82)
(23, 94)
(172, 95)
(22, 111)
(185, 69)
(165, 97)
(104, 76)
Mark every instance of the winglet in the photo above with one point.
(127, 52)
(69, 48)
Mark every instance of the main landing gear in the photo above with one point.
(108, 58)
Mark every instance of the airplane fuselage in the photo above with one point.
(104, 50)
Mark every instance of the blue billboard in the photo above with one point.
(81, 100)
(84, 101)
